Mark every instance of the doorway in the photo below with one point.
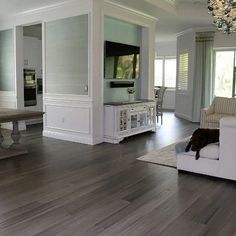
(224, 76)
(32, 69)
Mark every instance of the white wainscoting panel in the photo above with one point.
(68, 119)
(169, 100)
(75, 119)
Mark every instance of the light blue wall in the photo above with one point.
(7, 68)
(117, 94)
(67, 55)
(120, 32)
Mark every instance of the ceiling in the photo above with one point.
(173, 15)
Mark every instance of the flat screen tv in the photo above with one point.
(121, 61)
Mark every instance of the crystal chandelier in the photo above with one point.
(224, 12)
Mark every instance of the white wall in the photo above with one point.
(167, 49)
(87, 109)
(117, 94)
(7, 72)
(222, 40)
(186, 42)
(121, 32)
(184, 99)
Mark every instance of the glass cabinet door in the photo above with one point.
(143, 119)
(133, 121)
(151, 116)
(123, 120)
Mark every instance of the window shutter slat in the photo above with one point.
(183, 72)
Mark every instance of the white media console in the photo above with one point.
(123, 119)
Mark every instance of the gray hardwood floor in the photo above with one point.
(65, 188)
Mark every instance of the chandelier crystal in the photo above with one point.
(224, 13)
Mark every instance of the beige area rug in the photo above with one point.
(165, 156)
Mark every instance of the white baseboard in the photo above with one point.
(68, 137)
(97, 140)
(183, 116)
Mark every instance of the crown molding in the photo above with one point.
(136, 12)
(45, 8)
(197, 29)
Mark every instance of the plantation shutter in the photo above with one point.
(183, 72)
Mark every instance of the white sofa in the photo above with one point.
(215, 159)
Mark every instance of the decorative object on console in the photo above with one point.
(224, 13)
(131, 92)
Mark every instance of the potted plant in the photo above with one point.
(131, 91)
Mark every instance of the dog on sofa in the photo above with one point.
(200, 138)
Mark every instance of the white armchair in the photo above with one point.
(220, 107)
(215, 159)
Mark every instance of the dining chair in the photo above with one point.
(159, 95)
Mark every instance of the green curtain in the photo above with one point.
(203, 82)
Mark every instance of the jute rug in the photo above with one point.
(165, 156)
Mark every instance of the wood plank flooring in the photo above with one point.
(68, 189)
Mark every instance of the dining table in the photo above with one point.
(14, 116)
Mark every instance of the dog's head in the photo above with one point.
(198, 139)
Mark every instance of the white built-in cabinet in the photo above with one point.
(123, 120)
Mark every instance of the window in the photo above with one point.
(165, 72)
(224, 81)
(183, 72)
(158, 72)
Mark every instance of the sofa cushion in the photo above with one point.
(215, 117)
(211, 151)
(225, 105)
